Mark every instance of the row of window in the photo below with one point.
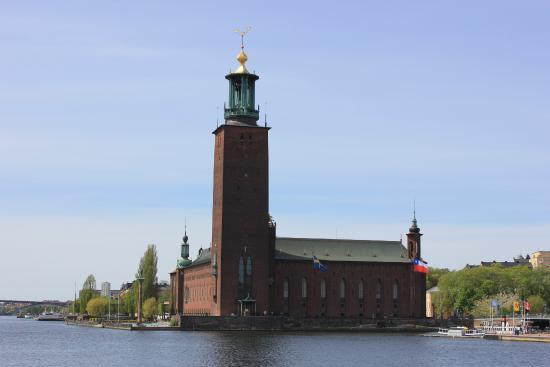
(200, 293)
(342, 289)
(243, 267)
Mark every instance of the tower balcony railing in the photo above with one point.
(241, 112)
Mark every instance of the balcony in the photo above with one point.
(241, 112)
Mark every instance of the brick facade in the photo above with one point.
(242, 268)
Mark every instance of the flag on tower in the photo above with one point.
(420, 266)
(317, 265)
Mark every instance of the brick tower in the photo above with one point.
(418, 280)
(240, 253)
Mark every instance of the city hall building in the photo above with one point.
(248, 270)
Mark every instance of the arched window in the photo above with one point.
(304, 288)
(186, 294)
(285, 289)
(378, 290)
(342, 288)
(249, 266)
(323, 289)
(360, 290)
(241, 271)
(395, 290)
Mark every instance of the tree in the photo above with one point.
(130, 300)
(468, 291)
(149, 308)
(148, 270)
(89, 283)
(88, 292)
(164, 296)
(433, 276)
(74, 307)
(537, 304)
(97, 307)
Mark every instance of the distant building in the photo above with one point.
(540, 259)
(105, 289)
(430, 293)
(517, 261)
(115, 293)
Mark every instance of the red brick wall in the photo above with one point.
(198, 290)
(240, 214)
(351, 306)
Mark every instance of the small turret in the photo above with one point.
(413, 239)
(184, 260)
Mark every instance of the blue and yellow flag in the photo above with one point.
(318, 265)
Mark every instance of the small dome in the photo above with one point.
(185, 238)
(242, 58)
(182, 263)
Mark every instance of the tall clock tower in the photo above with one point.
(240, 217)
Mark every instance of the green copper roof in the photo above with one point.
(203, 257)
(182, 263)
(287, 248)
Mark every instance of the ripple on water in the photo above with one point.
(25, 342)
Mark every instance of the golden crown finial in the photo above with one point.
(242, 57)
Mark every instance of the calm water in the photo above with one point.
(32, 343)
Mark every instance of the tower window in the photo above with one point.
(241, 271)
(395, 290)
(323, 289)
(378, 290)
(342, 288)
(360, 290)
(304, 288)
(285, 289)
(249, 266)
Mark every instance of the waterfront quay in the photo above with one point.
(269, 323)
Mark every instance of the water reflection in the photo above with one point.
(31, 343)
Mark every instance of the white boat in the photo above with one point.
(50, 316)
(461, 332)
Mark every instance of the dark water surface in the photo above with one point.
(25, 342)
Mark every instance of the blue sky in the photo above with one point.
(107, 109)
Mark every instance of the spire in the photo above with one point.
(414, 226)
(185, 238)
(242, 57)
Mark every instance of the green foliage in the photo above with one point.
(467, 291)
(165, 295)
(89, 283)
(505, 301)
(97, 307)
(85, 296)
(74, 307)
(130, 300)
(537, 304)
(37, 309)
(149, 308)
(173, 322)
(148, 270)
(433, 276)
(88, 292)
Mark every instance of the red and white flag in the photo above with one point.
(420, 266)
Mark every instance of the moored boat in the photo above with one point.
(50, 316)
(460, 332)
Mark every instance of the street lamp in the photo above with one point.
(140, 280)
